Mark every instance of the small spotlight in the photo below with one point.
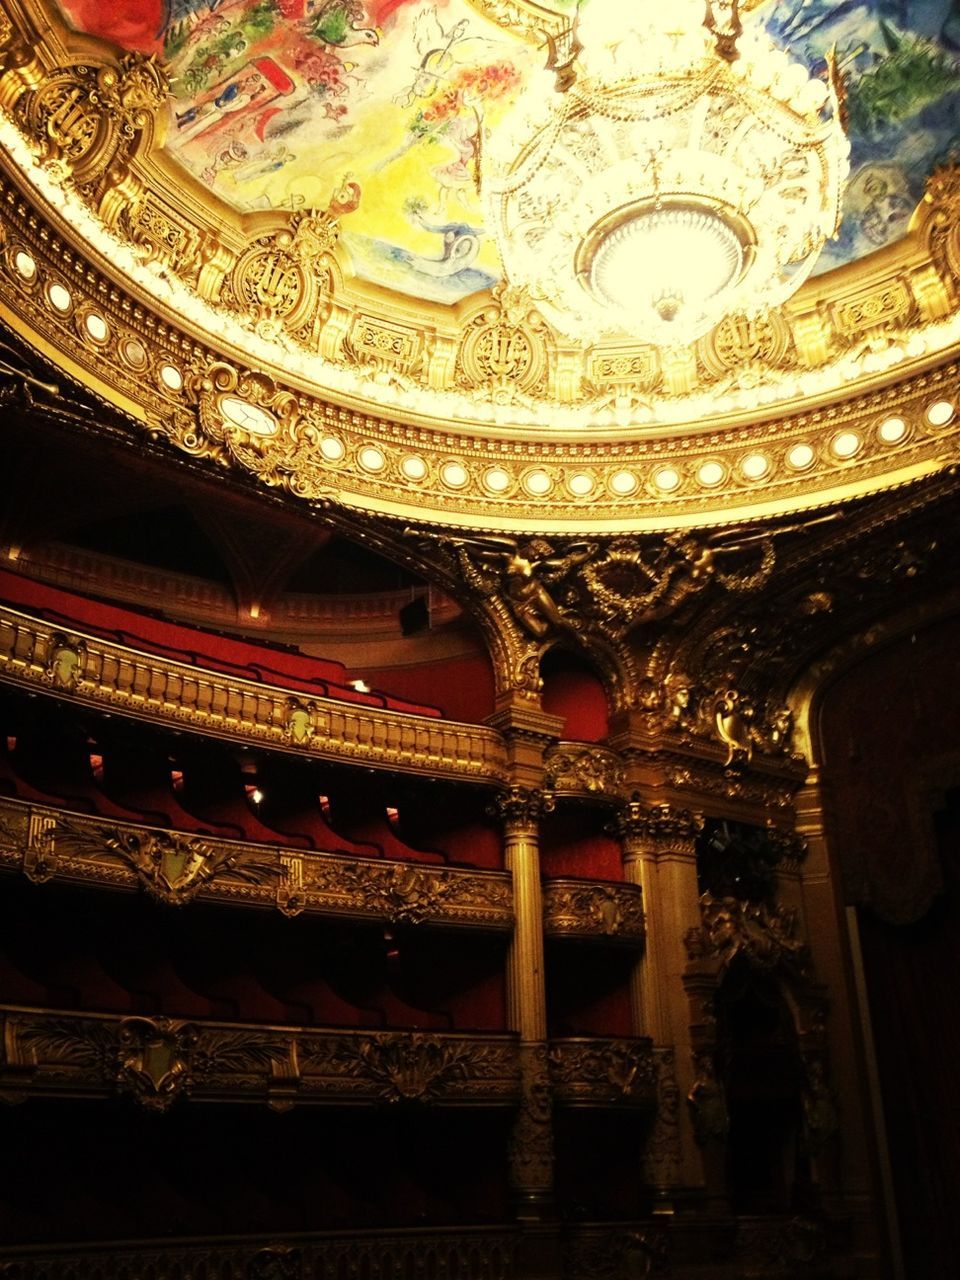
(361, 686)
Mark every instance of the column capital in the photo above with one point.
(520, 808)
(656, 828)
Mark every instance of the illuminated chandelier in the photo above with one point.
(679, 170)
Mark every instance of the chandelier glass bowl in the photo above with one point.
(689, 171)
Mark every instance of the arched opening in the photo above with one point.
(573, 690)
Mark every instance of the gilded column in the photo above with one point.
(659, 854)
(531, 1148)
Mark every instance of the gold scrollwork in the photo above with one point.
(740, 342)
(280, 279)
(87, 118)
(504, 348)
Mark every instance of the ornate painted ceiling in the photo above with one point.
(377, 109)
(254, 227)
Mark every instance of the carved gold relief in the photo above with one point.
(662, 1155)
(281, 278)
(381, 344)
(504, 349)
(575, 769)
(657, 827)
(88, 118)
(578, 908)
(171, 866)
(485, 1253)
(175, 868)
(531, 1142)
(597, 1072)
(741, 343)
(158, 1060)
(764, 935)
(890, 307)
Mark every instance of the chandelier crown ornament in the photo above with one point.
(683, 169)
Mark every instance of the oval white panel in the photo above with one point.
(939, 414)
(454, 475)
(755, 466)
(60, 297)
(497, 480)
(413, 467)
(800, 457)
(538, 483)
(25, 265)
(96, 326)
(892, 431)
(623, 482)
(171, 377)
(666, 479)
(580, 484)
(332, 448)
(371, 459)
(846, 444)
(135, 353)
(711, 474)
(248, 417)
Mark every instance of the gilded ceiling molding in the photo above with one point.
(176, 868)
(133, 277)
(37, 656)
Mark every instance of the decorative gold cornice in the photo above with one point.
(590, 909)
(593, 1072)
(175, 868)
(35, 655)
(860, 382)
(157, 1060)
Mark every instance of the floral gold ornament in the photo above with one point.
(691, 170)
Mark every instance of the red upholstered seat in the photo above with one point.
(244, 659)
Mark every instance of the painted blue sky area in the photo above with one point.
(901, 61)
(386, 263)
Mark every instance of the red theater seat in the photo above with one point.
(244, 659)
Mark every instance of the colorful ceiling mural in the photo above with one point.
(378, 108)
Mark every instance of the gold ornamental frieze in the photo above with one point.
(114, 678)
(140, 281)
(176, 867)
(158, 1061)
(594, 1072)
(590, 909)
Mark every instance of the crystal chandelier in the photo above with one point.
(678, 169)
